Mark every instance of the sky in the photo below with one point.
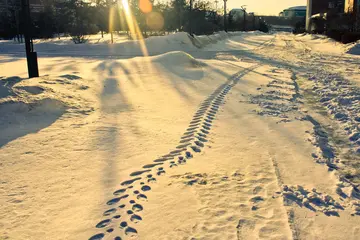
(263, 7)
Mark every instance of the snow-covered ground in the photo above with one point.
(231, 136)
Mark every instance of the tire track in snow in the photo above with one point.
(125, 206)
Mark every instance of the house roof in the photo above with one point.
(303, 8)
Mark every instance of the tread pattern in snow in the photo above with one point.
(191, 143)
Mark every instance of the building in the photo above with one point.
(11, 5)
(237, 14)
(321, 7)
(351, 6)
(299, 11)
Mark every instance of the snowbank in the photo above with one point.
(323, 43)
(154, 45)
(354, 48)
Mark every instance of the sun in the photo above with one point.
(126, 7)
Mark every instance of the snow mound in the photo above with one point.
(31, 89)
(178, 59)
(151, 46)
(6, 86)
(8, 108)
(180, 64)
(18, 119)
(354, 49)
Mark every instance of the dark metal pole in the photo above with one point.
(225, 19)
(31, 55)
(244, 21)
(190, 17)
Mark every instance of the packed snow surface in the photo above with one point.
(228, 136)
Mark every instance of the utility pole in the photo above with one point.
(225, 20)
(190, 20)
(309, 10)
(244, 9)
(31, 55)
(357, 16)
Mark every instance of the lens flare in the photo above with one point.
(155, 21)
(145, 6)
(125, 4)
(133, 26)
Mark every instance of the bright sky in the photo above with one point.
(266, 7)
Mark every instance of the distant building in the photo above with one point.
(299, 11)
(237, 14)
(11, 5)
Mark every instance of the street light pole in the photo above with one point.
(244, 9)
(225, 20)
(190, 20)
(31, 55)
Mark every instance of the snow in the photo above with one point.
(229, 136)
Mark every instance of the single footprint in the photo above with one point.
(142, 197)
(103, 223)
(152, 165)
(137, 207)
(173, 164)
(150, 178)
(137, 173)
(109, 212)
(204, 131)
(183, 146)
(188, 155)
(202, 135)
(206, 127)
(135, 218)
(161, 171)
(130, 231)
(123, 224)
(128, 182)
(115, 200)
(186, 140)
(257, 199)
(195, 149)
(120, 191)
(199, 144)
(145, 188)
(98, 236)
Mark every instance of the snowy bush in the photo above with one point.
(78, 39)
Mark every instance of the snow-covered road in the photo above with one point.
(250, 136)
